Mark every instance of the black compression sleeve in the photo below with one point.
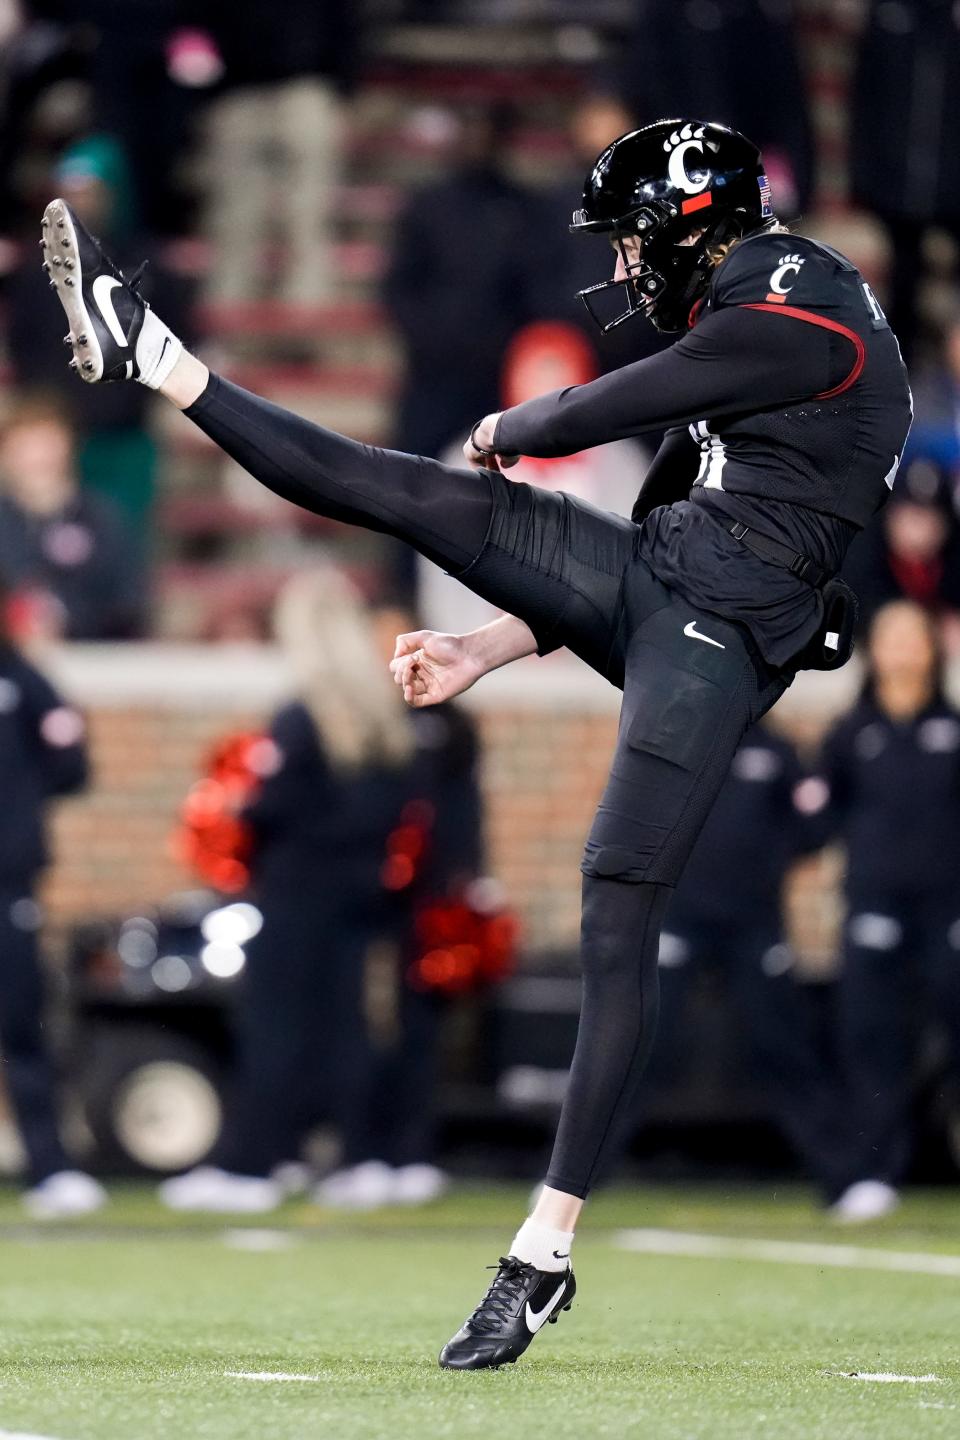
(736, 359)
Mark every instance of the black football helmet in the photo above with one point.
(663, 183)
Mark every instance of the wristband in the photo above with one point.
(473, 440)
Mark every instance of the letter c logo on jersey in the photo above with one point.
(676, 147)
(778, 290)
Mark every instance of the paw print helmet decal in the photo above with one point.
(683, 187)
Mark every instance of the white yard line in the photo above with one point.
(258, 1241)
(787, 1252)
(266, 1377)
(885, 1377)
(19, 1435)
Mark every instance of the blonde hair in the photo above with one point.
(716, 254)
(325, 629)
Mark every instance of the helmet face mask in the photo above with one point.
(663, 263)
(641, 285)
(682, 187)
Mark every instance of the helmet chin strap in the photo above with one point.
(724, 231)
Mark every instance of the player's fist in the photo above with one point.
(431, 667)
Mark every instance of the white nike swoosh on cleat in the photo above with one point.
(538, 1318)
(695, 634)
(103, 288)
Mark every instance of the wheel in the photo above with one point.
(152, 1098)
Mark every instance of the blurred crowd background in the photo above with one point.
(292, 934)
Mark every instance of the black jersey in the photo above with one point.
(787, 406)
(837, 449)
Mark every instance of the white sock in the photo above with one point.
(158, 350)
(542, 1246)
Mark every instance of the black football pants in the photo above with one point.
(691, 682)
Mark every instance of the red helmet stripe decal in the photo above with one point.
(699, 202)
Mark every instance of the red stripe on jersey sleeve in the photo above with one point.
(825, 324)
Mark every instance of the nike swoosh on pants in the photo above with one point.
(691, 630)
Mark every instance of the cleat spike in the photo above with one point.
(68, 280)
(57, 260)
(83, 339)
(73, 364)
(87, 365)
(68, 263)
(68, 339)
(61, 223)
(65, 242)
(45, 267)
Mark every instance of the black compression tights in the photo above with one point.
(443, 512)
(619, 935)
(446, 514)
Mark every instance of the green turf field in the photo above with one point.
(136, 1327)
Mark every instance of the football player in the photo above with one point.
(786, 407)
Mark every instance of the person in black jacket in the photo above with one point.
(457, 293)
(727, 912)
(42, 755)
(345, 763)
(893, 770)
(65, 553)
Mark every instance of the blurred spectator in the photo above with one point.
(727, 914)
(912, 552)
(136, 92)
(544, 356)
(64, 554)
(347, 760)
(458, 285)
(275, 143)
(565, 263)
(935, 434)
(117, 455)
(42, 755)
(36, 52)
(893, 771)
(400, 1128)
(735, 61)
(905, 165)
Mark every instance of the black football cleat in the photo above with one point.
(113, 333)
(520, 1302)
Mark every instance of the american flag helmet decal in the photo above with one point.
(766, 197)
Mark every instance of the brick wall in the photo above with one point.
(542, 780)
(547, 729)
